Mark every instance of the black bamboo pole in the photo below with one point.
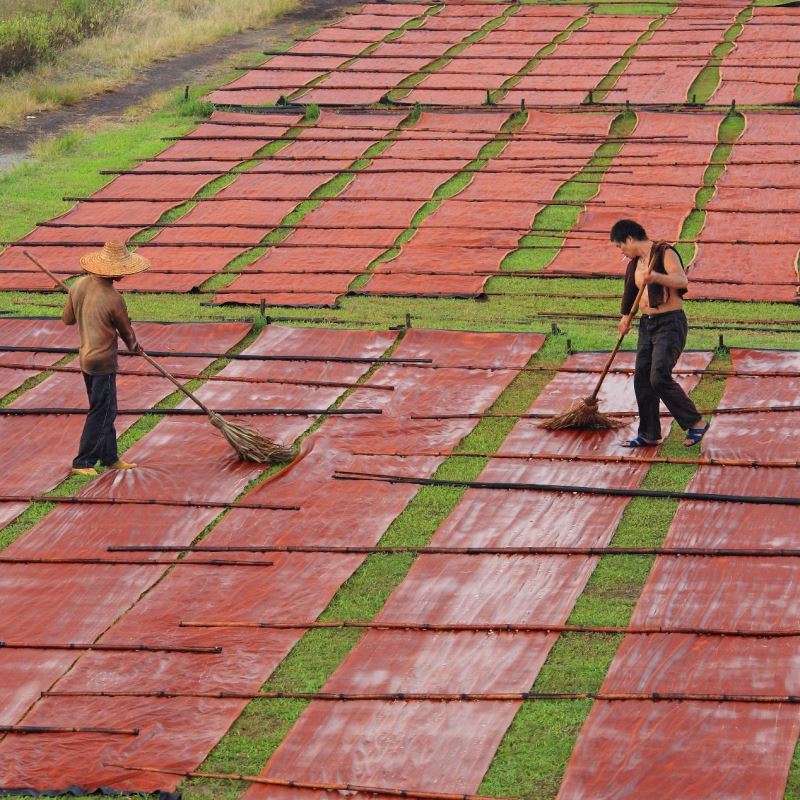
(717, 497)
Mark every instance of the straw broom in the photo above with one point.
(248, 443)
(585, 414)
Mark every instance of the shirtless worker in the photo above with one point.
(100, 312)
(662, 332)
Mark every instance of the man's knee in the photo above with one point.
(661, 380)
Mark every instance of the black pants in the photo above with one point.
(99, 439)
(662, 338)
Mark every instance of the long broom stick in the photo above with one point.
(248, 443)
(585, 414)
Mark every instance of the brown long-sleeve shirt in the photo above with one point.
(101, 314)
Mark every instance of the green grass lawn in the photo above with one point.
(532, 757)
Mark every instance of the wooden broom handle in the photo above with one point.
(142, 353)
(169, 377)
(44, 269)
(630, 315)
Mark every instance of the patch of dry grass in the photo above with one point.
(150, 30)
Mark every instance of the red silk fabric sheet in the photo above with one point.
(332, 512)
(772, 40)
(384, 203)
(678, 50)
(447, 747)
(732, 750)
(453, 245)
(549, 85)
(764, 257)
(650, 165)
(18, 273)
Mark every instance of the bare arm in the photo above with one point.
(675, 277)
(68, 314)
(122, 322)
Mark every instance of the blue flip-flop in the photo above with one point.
(695, 435)
(639, 441)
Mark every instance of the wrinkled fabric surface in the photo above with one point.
(765, 254)
(297, 585)
(447, 747)
(373, 197)
(634, 749)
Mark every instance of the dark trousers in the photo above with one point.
(99, 439)
(662, 338)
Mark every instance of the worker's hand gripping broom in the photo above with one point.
(585, 414)
(248, 443)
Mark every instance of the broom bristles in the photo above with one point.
(249, 444)
(583, 415)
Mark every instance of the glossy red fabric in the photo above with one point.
(447, 747)
(27, 333)
(748, 187)
(332, 511)
(176, 460)
(64, 260)
(266, 180)
(532, 27)
(749, 746)
(359, 87)
(447, 250)
(687, 34)
(548, 85)
(52, 441)
(661, 212)
(333, 249)
(282, 73)
(767, 39)
(345, 87)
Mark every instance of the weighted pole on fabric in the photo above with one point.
(522, 104)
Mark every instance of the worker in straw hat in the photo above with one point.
(100, 313)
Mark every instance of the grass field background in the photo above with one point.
(533, 755)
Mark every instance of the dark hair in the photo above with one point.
(627, 227)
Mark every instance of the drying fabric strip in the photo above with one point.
(753, 259)
(181, 457)
(280, 73)
(25, 276)
(333, 249)
(341, 87)
(297, 584)
(637, 86)
(767, 38)
(25, 469)
(451, 86)
(661, 213)
(27, 333)
(595, 39)
(749, 746)
(259, 182)
(449, 746)
(439, 246)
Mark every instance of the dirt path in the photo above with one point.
(191, 68)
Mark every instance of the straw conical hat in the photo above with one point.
(114, 261)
